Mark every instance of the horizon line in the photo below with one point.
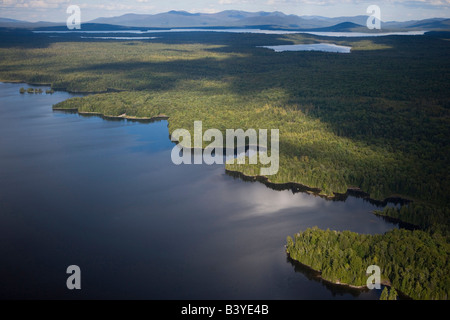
(212, 13)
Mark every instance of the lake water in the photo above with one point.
(325, 47)
(121, 38)
(364, 34)
(104, 195)
(325, 34)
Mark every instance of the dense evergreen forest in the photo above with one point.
(414, 262)
(426, 217)
(377, 119)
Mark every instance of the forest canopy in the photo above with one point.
(377, 119)
(414, 262)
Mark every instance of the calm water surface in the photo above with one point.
(325, 47)
(235, 30)
(104, 195)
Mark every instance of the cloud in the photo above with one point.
(236, 2)
(42, 4)
(52, 4)
(348, 2)
(204, 10)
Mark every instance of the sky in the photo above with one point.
(55, 10)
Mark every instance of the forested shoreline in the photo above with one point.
(414, 262)
(363, 120)
(377, 120)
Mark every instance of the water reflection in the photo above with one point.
(299, 188)
(338, 290)
(105, 195)
(325, 47)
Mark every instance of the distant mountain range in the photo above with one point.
(12, 23)
(230, 18)
(241, 19)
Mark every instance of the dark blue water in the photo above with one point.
(104, 195)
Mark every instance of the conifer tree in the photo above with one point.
(384, 294)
